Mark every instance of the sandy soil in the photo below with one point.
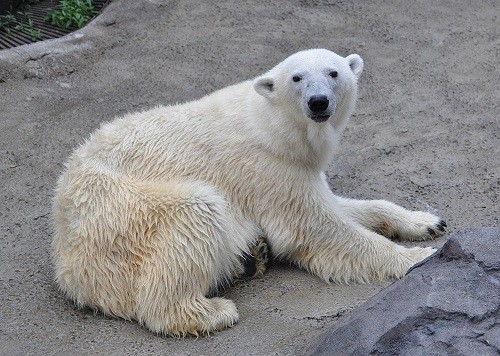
(426, 134)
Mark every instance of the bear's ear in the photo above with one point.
(265, 87)
(356, 64)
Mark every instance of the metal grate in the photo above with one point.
(47, 31)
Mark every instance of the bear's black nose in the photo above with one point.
(318, 103)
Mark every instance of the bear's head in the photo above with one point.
(316, 85)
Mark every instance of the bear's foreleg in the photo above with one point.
(391, 220)
(318, 236)
(356, 255)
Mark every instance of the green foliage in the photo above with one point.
(68, 13)
(25, 4)
(7, 22)
(10, 21)
(71, 13)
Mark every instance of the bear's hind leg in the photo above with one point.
(185, 251)
(254, 263)
(195, 315)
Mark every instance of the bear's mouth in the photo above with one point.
(320, 118)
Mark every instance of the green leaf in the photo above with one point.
(71, 13)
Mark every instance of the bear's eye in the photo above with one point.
(334, 74)
(296, 79)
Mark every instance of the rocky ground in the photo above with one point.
(426, 135)
(449, 305)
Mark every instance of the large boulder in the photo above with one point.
(447, 305)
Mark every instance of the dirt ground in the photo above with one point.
(426, 134)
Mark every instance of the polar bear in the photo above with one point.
(157, 207)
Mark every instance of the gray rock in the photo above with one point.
(448, 305)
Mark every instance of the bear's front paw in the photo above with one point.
(422, 226)
(408, 258)
(417, 255)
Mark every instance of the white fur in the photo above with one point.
(156, 207)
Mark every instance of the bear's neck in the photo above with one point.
(291, 136)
